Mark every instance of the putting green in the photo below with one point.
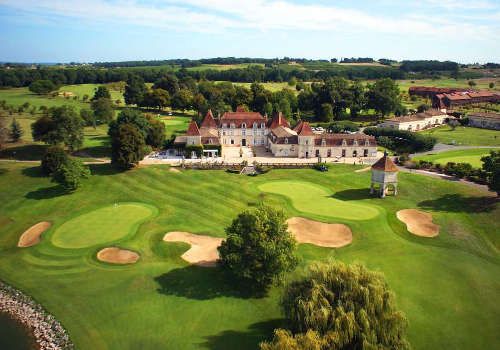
(310, 198)
(101, 226)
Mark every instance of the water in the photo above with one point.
(13, 336)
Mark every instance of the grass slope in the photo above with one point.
(471, 156)
(446, 285)
(465, 136)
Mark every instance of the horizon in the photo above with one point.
(48, 31)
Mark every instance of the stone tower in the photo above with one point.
(385, 175)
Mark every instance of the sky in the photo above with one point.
(109, 30)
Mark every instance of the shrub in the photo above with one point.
(189, 149)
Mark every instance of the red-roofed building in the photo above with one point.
(243, 128)
(385, 176)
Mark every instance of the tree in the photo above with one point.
(156, 133)
(285, 340)
(348, 306)
(471, 83)
(284, 107)
(134, 90)
(52, 160)
(326, 113)
(491, 165)
(357, 98)
(64, 126)
(156, 98)
(127, 146)
(453, 123)
(258, 250)
(16, 131)
(423, 107)
(101, 92)
(130, 116)
(4, 132)
(103, 109)
(169, 83)
(182, 100)
(491, 85)
(70, 174)
(88, 117)
(383, 96)
(42, 87)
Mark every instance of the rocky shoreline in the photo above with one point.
(48, 333)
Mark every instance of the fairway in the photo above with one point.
(471, 156)
(464, 136)
(103, 225)
(310, 198)
(446, 285)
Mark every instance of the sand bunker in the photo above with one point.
(203, 251)
(418, 222)
(319, 233)
(32, 235)
(114, 255)
(363, 170)
(174, 170)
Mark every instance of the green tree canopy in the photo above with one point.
(491, 165)
(169, 83)
(42, 87)
(70, 173)
(103, 110)
(348, 306)
(383, 96)
(156, 98)
(156, 133)
(63, 126)
(134, 90)
(258, 250)
(16, 131)
(182, 99)
(53, 158)
(127, 146)
(101, 92)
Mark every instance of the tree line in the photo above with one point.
(272, 72)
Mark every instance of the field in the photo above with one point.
(465, 136)
(445, 285)
(471, 156)
(481, 84)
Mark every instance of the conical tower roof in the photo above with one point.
(385, 164)
(193, 129)
(209, 121)
(303, 129)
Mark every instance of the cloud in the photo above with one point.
(224, 15)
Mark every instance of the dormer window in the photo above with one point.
(323, 142)
(367, 142)
(232, 126)
(355, 142)
(262, 125)
(344, 142)
(224, 125)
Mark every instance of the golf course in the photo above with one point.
(445, 284)
(472, 156)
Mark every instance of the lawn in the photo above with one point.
(89, 89)
(175, 124)
(313, 199)
(471, 156)
(445, 285)
(481, 84)
(465, 136)
(18, 96)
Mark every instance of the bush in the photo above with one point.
(346, 306)
(52, 160)
(343, 127)
(258, 250)
(41, 87)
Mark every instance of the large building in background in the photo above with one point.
(448, 98)
(251, 129)
(417, 121)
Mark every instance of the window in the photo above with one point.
(317, 153)
(307, 142)
(355, 143)
(286, 139)
(365, 153)
(343, 153)
(329, 153)
(354, 153)
(323, 142)
(367, 142)
(224, 125)
(223, 133)
(255, 125)
(262, 125)
(344, 143)
(232, 142)
(243, 126)
(210, 141)
(243, 132)
(232, 126)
